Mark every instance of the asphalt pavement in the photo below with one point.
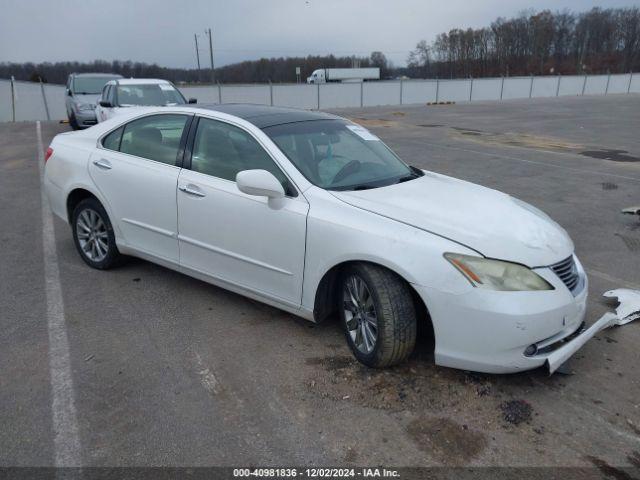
(166, 370)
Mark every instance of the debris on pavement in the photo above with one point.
(628, 309)
(516, 411)
(632, 210)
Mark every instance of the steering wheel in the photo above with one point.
(349, 169)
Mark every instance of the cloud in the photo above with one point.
(162, 31)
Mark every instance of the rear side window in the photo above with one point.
(112, 141)
(156, 137)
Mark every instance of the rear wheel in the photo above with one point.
(378, 315)
(93, 235)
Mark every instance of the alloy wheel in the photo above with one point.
(360, 314)
(92, 235)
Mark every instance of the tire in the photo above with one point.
(93, 235)
(393, 310)
(73, 123)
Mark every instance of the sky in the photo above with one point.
(162, 31)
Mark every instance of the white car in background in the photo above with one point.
(315, 215)
(121, 94)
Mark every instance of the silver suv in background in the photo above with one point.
(81, 93)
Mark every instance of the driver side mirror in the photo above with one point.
(260, 183)
(69, 92)
(193, 100)
(105, 104)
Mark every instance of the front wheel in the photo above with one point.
(378, 315)
(93, 235)
(73, 122)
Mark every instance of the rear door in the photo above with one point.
(247, 240)
(136, 169)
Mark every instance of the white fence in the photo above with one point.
(32, 101)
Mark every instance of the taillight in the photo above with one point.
(48, 154)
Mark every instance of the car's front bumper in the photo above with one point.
(489, 331)
(85, 118)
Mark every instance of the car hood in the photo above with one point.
(87, 98)
(490, 222)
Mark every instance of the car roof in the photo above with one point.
(140, 81)
(263, 116)
(114, 75)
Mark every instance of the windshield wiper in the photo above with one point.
(406, 178)
(415, 173)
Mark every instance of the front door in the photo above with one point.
(104, 113)
(246, 240)
(137, 170)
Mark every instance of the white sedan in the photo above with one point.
(120, 95)
(315, 215)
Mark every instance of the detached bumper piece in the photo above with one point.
(627, 311)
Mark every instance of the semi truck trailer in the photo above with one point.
(324, 75)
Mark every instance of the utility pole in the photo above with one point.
(13, 99)
(195, 36)
(213, 73)
(582, 53)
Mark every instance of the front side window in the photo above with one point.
(339, 155)
(156, 137)
(222, 150)
(148, 95)
(111, 94)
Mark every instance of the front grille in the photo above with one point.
(567, 272)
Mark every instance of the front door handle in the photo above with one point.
(102, 163)
(191, 190)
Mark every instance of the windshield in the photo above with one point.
(148, 95)
(89, 85)
(339, 155)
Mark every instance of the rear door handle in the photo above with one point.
(102, 163)
(191, 190)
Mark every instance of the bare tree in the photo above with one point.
(598, 40)
(378, 59)
(420, 58)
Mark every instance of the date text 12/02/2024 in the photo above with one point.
(315, 472)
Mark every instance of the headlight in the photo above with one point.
(496, 274)
(86, 106)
